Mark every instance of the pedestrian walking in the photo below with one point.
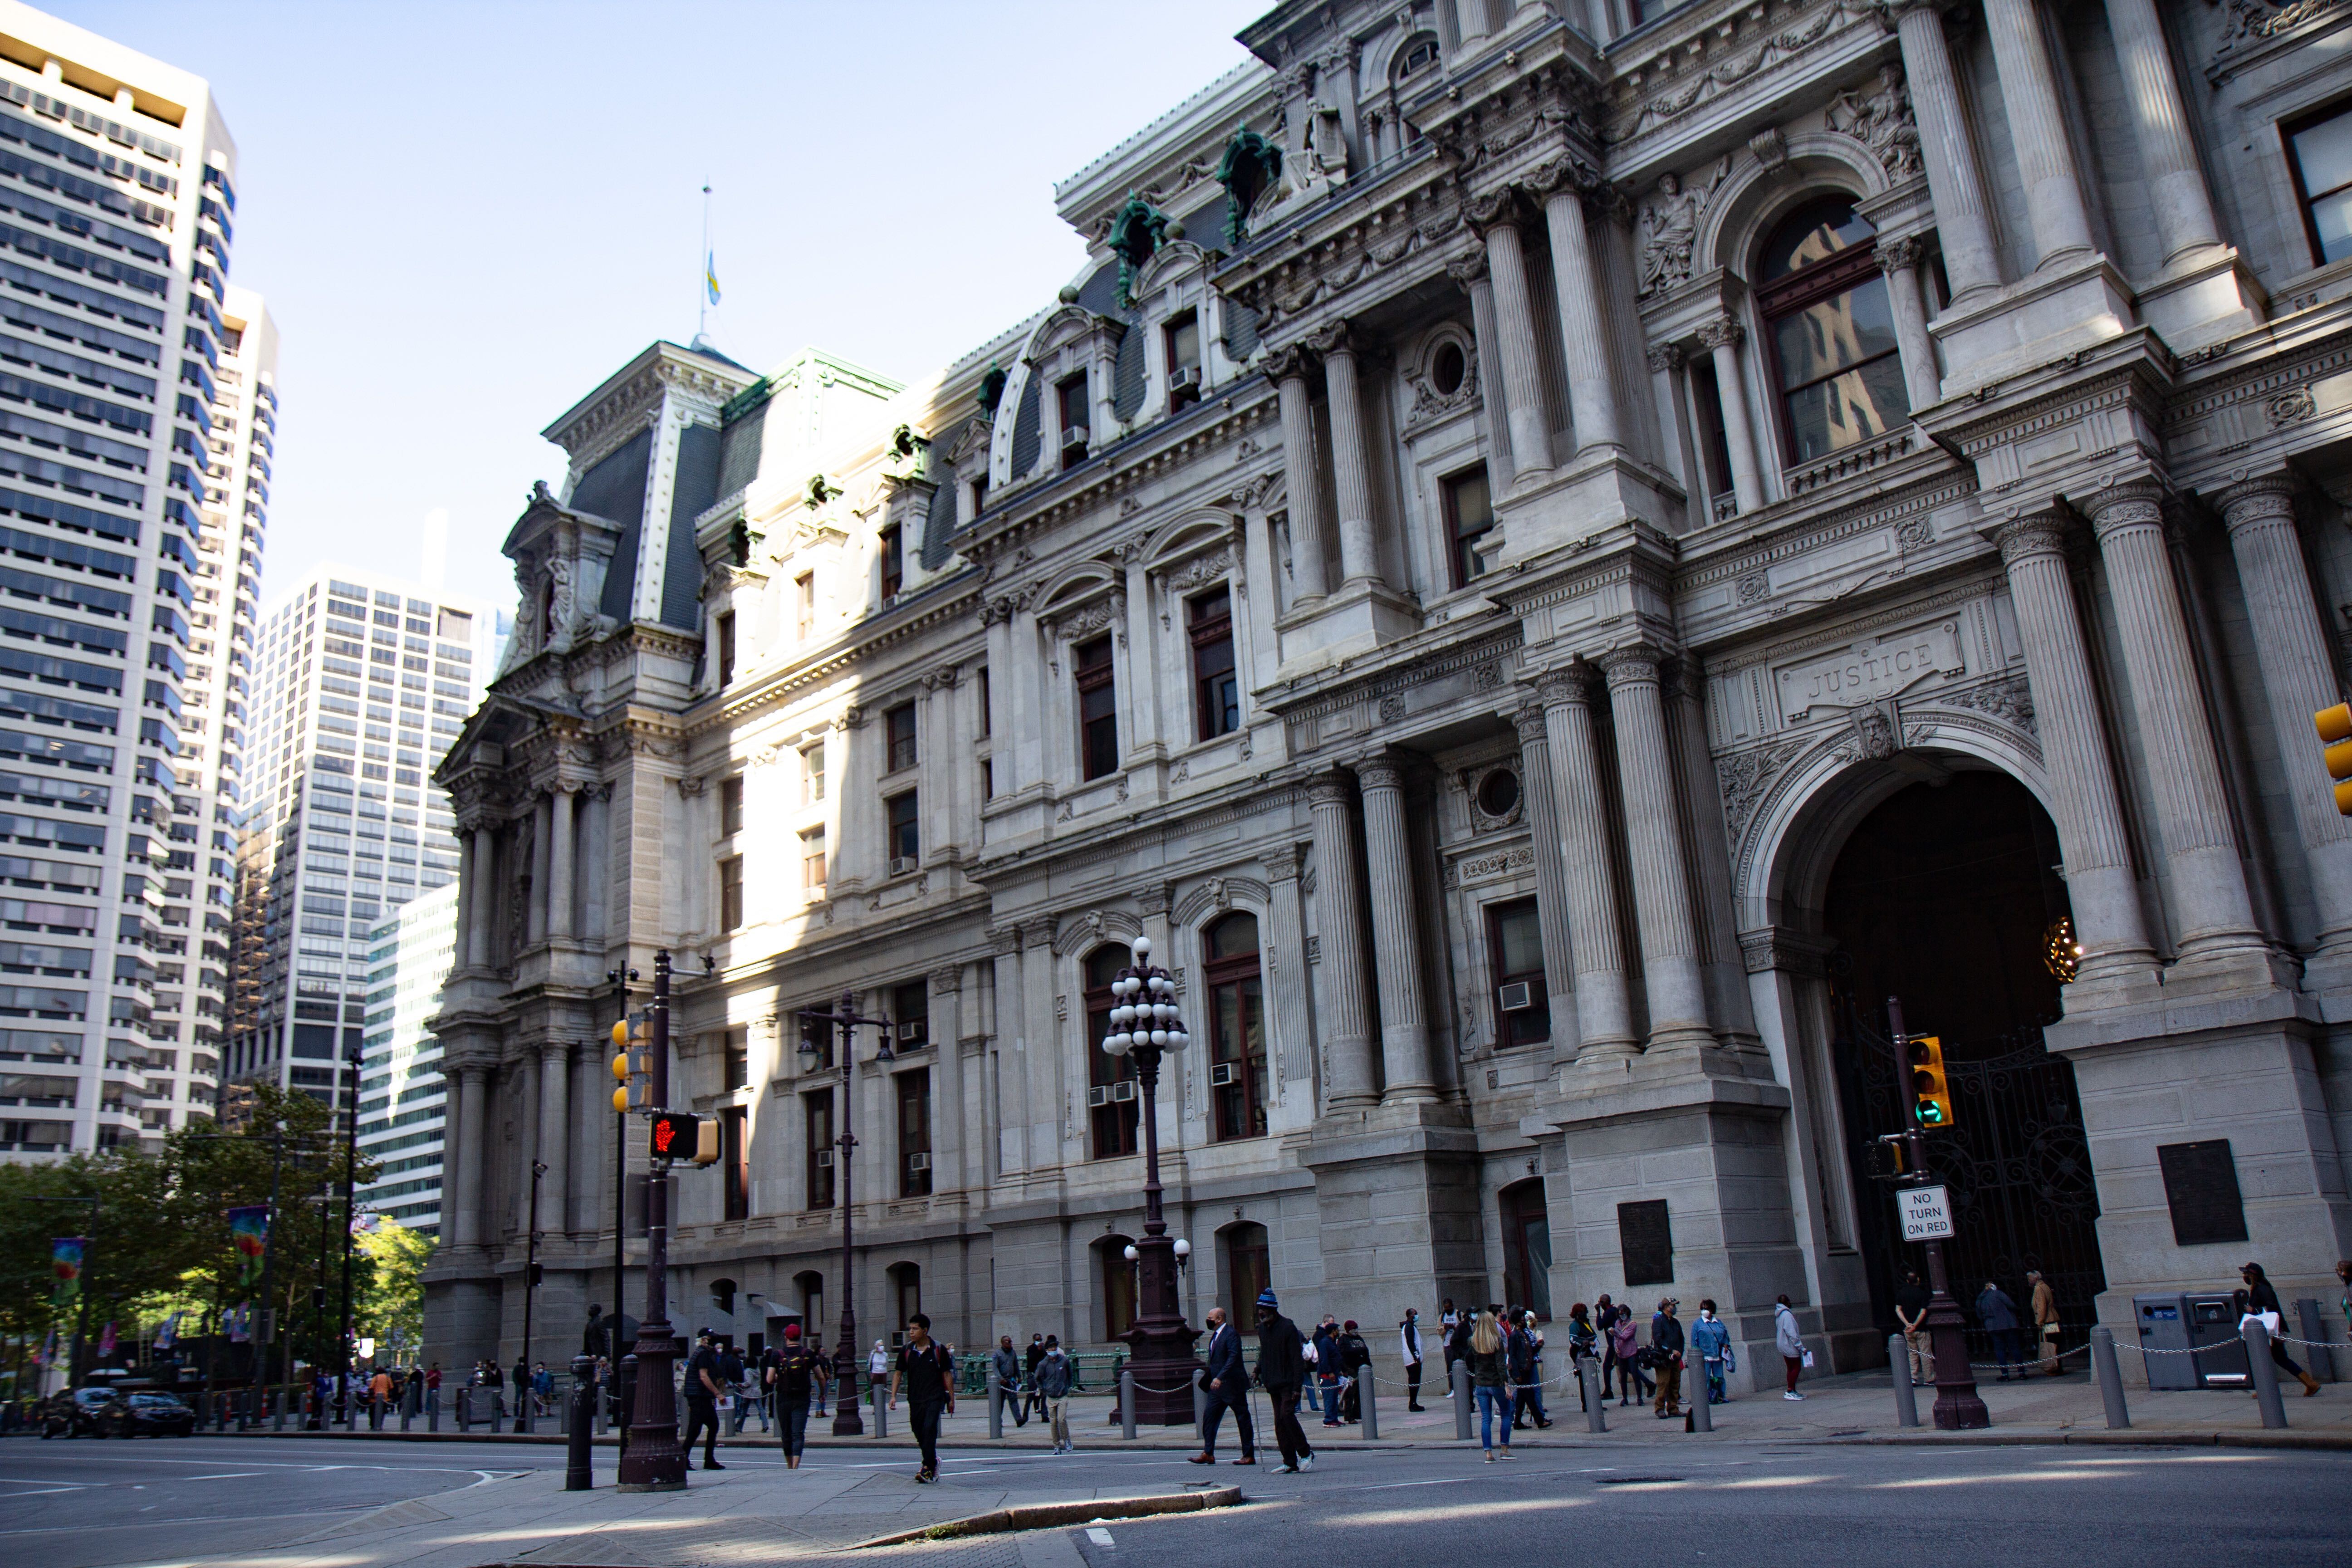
(1053, 1380)
(1911, 1314)
(1789, 1342)
(433, 1389)
(927, 1370)
(521, 1381)
(1666, 1346)
(794, 1375)
(2043, 1303)
(1710, 1340)
(1326, 1346)
(1531, 1390)
(1490, 1380)
(2262, 1300)
(703, 1391)
(380, 1395)
(1998, 1314)
(1031, 1357)
(1282, 1367)
(1449, 1331)
(1408, 1342)
(1228, 1390)
(816, 1338)
(1007, 1362)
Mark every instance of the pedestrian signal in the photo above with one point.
(2335, 726)
(1931, 1092)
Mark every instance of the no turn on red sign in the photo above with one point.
(1927, 1212)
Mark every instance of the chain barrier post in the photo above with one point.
(579, 1476)
(1898, 1355)
(2108, 1376)
(1596, 1394)
(1364, 1398)
(1126, 1402)
(2315, 1334)
(1462, 1400)
(2265, 1374)
(995, 1403)
(881, 1409)
(1701, 1401)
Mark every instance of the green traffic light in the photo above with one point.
(1930, 1112)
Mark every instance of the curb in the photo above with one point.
(1047, 1516)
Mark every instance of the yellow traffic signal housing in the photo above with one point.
(706, 1139)
(2335, 727)
(632, 1068)
(1931, 1092)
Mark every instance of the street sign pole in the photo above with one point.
(1959, 1409)
(654, 1460)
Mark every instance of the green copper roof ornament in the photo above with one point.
(1252, 164)
(991, 389)
(1136, 231)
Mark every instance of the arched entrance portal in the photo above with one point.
(1944, 895)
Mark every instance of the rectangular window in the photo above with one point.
(894, 563)
(813, 774)
(726, 649)
(804, 606)
(911, 1013)
(2320, 152)
(734, 1161)
(1183, 341)
(817, 1111)
(1515, 947)
(1097, 709)
(1070, 400)
(1217, 690)
(1469, 519)
(731, 892)
(987, 717)
(730, 806)
(899, 726)
(906, 839)
(812, 861)
(914, 1132)
(988, 778)
(737, 1065)
(1114, 1114)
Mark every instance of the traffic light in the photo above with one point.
(1931, 1094)
(2335, 726)
(1887, 1157)
(632, 1066)
(682, 1135)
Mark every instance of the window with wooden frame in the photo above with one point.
(905, 834)
(1097, 709)
(894, 563)
(987, 704)
(910, 1015)
(1216, 686)
(1469, 521)
(730, 806)
(1515, 952)
(1237, 1074)
(1182, 338)
(730, 893)
(914, 1090)
(816, 1113)
(1113, 1112)
(813, 774)
(1829, 325)
(2319, 154)
(812, 861)
(899, 728)
(1071, 403)
(735, 1063)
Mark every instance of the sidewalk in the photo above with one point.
(1852, 1407)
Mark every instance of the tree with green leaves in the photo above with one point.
(392, 1310)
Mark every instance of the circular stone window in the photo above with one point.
(1446, 369)
(1498, 793)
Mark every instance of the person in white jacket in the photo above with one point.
(1789, 1342)
(1409, 1341)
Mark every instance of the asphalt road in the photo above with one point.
(88, 1504)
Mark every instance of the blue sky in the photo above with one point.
(464, 216)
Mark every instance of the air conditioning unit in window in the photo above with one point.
(1075, 435)
(915, 1032)
(919, 1162)
(1517, 996)
(1097, 1096)
(1223, 1073)
(900, 865)
(1123, 1090)
(1187, 378)
(824, 1159)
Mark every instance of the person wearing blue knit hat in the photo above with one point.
(1281, 1368)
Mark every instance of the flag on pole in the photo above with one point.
(106, 1339)
(710, 274)
(168, 1334)
(240, 1323)
(66, 1254)
(248, 1232)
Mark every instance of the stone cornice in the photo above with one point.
(1443, 651)
(764, 691)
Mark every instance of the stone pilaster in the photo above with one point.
(542, 838)
(1514, 338)
(2060, 223)
(1348, 1080)
(1551, 878)
(1721, 337)
(555, 1133)
(1604, 1012)
(2168, 154)
(1396, 936)
(1288, 367)
(1654, 839)
(1289, 987)
(1947, 147)
(478, 906)
(1900, 259)
(1470, 272)
(466, 1155)
(1584, 329)
(1351, 463)
(562, 869)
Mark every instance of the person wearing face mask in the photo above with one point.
(1408, 1340)
(1710, 1340)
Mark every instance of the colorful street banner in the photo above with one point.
(66, 1255)
(168, 1334)
(239, 1323)
(106, 1339)
(248, 1232)
(48, 1351)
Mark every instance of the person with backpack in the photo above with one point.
(1324, 1350)
(1030, 1358)
(1710, 1340)
(928, 1369)
(1052, 1380)
(1583, 1343)
(794, 1374)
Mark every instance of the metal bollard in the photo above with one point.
(407, 1407)
(1364, 1398)
(2311, 1326)
(1702, 1404)
(1126, 1403)
(433, 1412)
(277, 1413)
(1898, 1356)
(995, 1405)
(881, 1409)
(2108, 1376)
(2258, 1359)
(1462, 1428)
(1596, 1395)
(578, 1474)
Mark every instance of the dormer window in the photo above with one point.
(1420, 54)
(1071, 402)
(1183, 361)
(894, 563)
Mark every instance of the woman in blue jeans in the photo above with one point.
(1491, 1383)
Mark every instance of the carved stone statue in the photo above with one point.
(1669, 228)
(1882, 122)
(558, 629)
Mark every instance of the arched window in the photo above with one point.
(1832, 331)
(1112, 1111)
(1237, 1077)
(1420, 54)
(1246, 1272)
(1118, 1286)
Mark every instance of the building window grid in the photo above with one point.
(1216, 684)
(1112, 1123)
(898, 731)
(1236, 1027)
(1095, 679)
(2319, 157)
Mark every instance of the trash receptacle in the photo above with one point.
(2164, 1335)
(2204, 1321)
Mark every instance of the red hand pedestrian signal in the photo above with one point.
(673, 1136)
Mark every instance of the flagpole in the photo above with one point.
(702, 275)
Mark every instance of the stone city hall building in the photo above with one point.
(1554, 557)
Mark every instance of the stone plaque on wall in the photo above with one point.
(1870, 670)
(1646, 1242)
(2201, 1184)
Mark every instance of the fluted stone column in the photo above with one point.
(2060, 223)
(2168, 154)
(1551, 877)
(1899, 260)
(2298, 680)
(1591, 392)
(1396, 935)
(1470, 272)
(527, 1078)
(1653, 841)
(554, 1132)
(1721, 337)
(1604, 1011)
(1302, 471)
(596, 857)
(542, 838)
(590, 1127)
(2101, 887)
(1348, 1081)
(466, 1162)
(469, 880)
(1954, 182)
(1514, 338)
(486, 867)
(2213, 911)
(1290, 988)
(562, 874)
(1351, 459)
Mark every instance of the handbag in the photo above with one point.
(1807, 1359)
(2269, 1320)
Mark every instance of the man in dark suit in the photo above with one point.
(1228, 1387)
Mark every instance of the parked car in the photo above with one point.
(145, 1414)
(75, 1415)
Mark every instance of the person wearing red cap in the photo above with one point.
(794, 1372)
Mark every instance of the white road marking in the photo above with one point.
(1099, 1537)
(226, 1476)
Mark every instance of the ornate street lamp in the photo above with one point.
(814, 1021)
(1144, 1025)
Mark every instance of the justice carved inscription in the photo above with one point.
(1870, 670)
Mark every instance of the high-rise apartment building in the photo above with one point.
(118, 631)
(363, 681)
(402, 1100)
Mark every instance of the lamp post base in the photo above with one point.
(1164, 1369)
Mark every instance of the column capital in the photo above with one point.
(1570, 684)
(2037, 533)
(1282, 863)
(947, 977)
(1291, 361)
(1722, 331)
(1528, 718)
(1381, 770)
(1492, 209)
(2258, 500)
(1901, 255)
(555, 1049)
(1635, 664)
(1666, 358)
(1329, 789)
(1467, 269)
(2133, 504)
(1332, 339)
